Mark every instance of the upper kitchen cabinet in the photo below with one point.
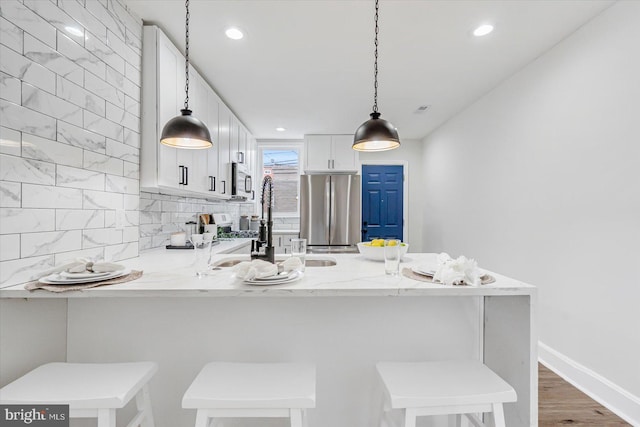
(201, 173)
(330, 153)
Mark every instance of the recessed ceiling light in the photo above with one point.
(234, 33)
(280, 129)
(74, 31)
(483, 30)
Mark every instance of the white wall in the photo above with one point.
(410, 151)
(540, 179)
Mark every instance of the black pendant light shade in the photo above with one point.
(186, 131)
(376, 134)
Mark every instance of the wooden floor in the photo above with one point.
(562, 404)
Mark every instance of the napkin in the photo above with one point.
(460, 271)
(258, 269)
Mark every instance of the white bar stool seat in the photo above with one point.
(229, 390)
(92, 390)
(446, 387)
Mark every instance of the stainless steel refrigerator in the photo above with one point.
(330, 212)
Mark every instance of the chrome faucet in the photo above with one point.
(265, 238)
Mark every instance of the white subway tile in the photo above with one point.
(50, 105)
(101, 237)
(134, 42)
(10, 194)
(26, 170)
(10, 88)
(118, 45)
(15, 220)
(16, 117)
(102, 126)
(131, 106)
(10, 35)
(150, 230)
(101, 163)
(102, 200)
(118, 81)
(107, 17)
(132, 23)
(121, 252)
(93, 254)
(144, 243)
(74, 219)
(80, 96)
(36, 244)
(35, 147)
(131, 138)
(42, 54)
(122, 151)
(119, 184)
(56, 17)
(118, 115)
(15, 12)
(81, 138)
(131, 170)
(81, 56)
(22, 270)
(105, 52)
(9, 247)
(131, 218)
(79, 178)
(150, 217)
(10, 141)
(109, 219)
(131, 202)
(78, 12)
(25, 69)
(150, 205)
(46, 196)
(130, 234)
(159, 240)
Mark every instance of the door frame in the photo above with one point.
(405, 190)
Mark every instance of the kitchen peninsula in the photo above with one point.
(344, 318)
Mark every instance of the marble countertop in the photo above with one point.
(168, 273)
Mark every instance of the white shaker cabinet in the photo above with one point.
(213, 166)
(330, 153)
(224, 149)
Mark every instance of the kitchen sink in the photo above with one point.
(309, 262)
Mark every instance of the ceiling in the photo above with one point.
(307, 65)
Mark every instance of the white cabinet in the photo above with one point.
(330, 153)
(201, 173)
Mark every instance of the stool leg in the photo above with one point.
(455, 420)
(106, 418)
(202, 420)
(143, 403)
(296, 417)
(409, 417)
(305, 418)
(498, 415)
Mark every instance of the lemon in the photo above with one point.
(393, 243)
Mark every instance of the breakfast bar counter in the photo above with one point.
(344, 318)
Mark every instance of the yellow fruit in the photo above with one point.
(393, 243)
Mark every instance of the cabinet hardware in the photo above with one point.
(212, 183)
(328, 164)
(181, 175)
(240, 157)
(224, 187)
(333, 164)
(253, 195)
(186, 175)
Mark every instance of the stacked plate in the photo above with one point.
(66, 278)
(424, 270)
(277, 279)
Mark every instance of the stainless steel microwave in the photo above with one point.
(241, 183)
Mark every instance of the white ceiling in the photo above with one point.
(307, 65)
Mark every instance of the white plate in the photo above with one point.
(56, 279)
(423, 271)
(275, 280)
(72, 276)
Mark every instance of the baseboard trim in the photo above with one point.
(600, 389)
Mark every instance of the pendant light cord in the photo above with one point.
(186, 66)
(375, 65)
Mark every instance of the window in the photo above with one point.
(282, 163)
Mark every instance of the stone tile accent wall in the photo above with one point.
(70, 133)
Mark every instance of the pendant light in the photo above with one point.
(376, 134)
(186, 131)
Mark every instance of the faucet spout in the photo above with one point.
(265, 239)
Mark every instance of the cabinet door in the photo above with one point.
(168, 105)
(317, 152)
(344, 158)
(198, 179)
(242, 146)
(213, 180)
(224, 168)
(234, 137)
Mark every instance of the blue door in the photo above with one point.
(382, 201)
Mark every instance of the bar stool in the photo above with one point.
(225, 390)
(92, 390)
(447, 387)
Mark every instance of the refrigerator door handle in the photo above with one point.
(332, 215)
(327, 208)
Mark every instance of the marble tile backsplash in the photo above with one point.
(69, 134)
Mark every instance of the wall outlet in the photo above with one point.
(120, 219)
